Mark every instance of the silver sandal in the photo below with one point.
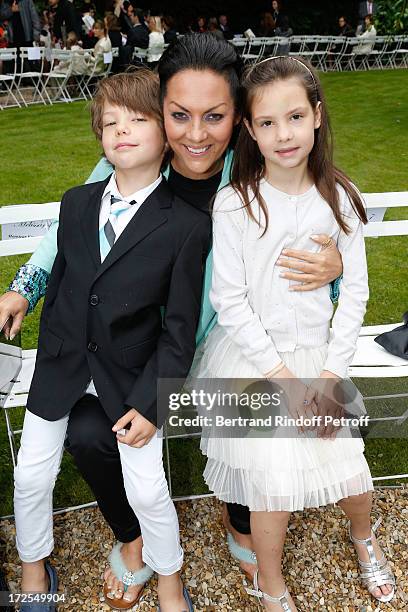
(376, 572)
(282, 599)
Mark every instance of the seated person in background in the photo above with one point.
(224, 27)
(367, 37)
(137, 36)
(201, 24)
(112, 25)
(284, 31)
(214, 28)
(78, 62)
(345, 29)
(95, 61)
(156, 40)
(169, 28)
(266, 25)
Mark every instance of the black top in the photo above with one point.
(115, 37)
(197, 193)
(19, 37)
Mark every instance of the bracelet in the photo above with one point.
(275, 371)
(31, 282)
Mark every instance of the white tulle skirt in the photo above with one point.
(277, 473)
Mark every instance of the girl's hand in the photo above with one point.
(330, 403)
(319, 269)
(13, 308)
(141, 430)
(300, 399)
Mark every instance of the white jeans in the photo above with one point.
(39, 459)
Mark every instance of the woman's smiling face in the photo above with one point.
(199, 116)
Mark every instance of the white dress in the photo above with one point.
(260, 323)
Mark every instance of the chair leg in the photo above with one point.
(11, 438)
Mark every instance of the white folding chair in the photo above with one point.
(297, 44)
(254, 50)
(336, 56)
(240, 45)
(32, 69)
(373, 60)
(56, 80)
(348, 57)
(87, 82)
(139, 55)
(8, 79)
(400, 55)
(385, 57)
(280, 46)
(321, 50)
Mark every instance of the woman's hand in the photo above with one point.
(319, 269)
(13, 308)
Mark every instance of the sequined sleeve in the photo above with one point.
(30, 282)
(335, 289)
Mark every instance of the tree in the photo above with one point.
(392, 17)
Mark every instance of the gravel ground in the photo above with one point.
(319, 563)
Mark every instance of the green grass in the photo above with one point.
(52, 149)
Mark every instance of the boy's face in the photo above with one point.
(131, 141)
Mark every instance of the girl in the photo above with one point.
(196, 117)
(103, 45)
(284, 189)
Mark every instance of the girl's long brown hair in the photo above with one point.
(249, 166)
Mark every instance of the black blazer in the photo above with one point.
(103, 320)
(138, 36)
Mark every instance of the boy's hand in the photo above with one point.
(141, 430)
(13, 308)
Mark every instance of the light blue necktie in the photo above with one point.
(107, 235)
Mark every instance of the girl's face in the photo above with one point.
(98, 32)
(199, 117)
(283, 124)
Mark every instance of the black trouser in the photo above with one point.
(93, 445)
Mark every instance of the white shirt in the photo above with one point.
(124, 218)
(253, 301)
(156, 46)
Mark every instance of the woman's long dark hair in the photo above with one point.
(249, 165)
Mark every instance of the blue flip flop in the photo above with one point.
(187, 597)
(240, 553)
(34, 606)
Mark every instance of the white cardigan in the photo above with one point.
(254, 303)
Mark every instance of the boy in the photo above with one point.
(126, 247)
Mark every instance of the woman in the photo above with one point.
(266, 25)
(213, 27)
(200, 89)
(156, 40)
(96, 62)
